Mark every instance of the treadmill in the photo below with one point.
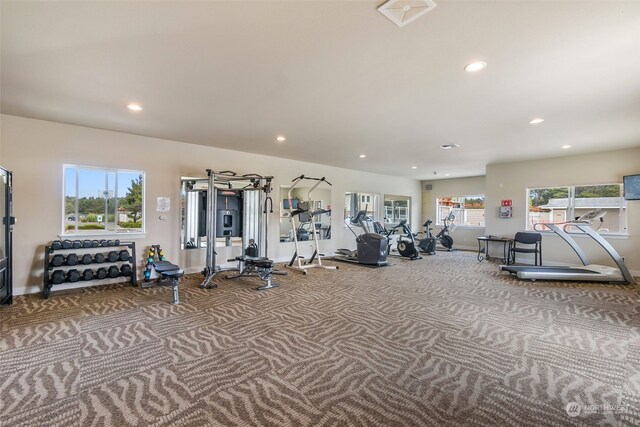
(588, 272)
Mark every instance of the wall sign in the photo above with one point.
(163, 204)
(505, 212)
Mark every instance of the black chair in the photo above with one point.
(530, 243)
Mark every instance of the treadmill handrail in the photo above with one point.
(626, 274)
(585, 228)
(568, 239)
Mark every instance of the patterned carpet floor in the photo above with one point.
(445, 340)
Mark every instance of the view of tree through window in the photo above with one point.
(98, 201)
(562, 204)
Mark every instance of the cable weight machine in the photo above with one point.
(238, 206)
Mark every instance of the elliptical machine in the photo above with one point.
(371, 247)
(405, 243)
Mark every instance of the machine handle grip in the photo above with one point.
(268, 201)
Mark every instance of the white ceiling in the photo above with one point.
(337, 78)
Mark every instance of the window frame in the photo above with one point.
(463, 226)
(101, 233)
(393, 198)
(571, 207)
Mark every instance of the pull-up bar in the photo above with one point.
(323, 179)
(299, 265)
(233, 176)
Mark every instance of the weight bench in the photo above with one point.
(256, 267)
(170, 275)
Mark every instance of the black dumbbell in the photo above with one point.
(99, 258)
(87, 274)
(86, 243)
(126, 270)
(67, 244)
(77, 244)
(73, 275)
(113, 271)
(56, 245)
(112, 256)
(101, 273)
(72, 259)
(95, 243)
(57, 277)
(124, 255)
(110, 243)
(57, 260)
(104, 243)
(87, 259)
(116, 242)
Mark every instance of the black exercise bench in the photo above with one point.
(256, 267)
(170, 275)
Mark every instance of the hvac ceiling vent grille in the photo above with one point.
(401, 12)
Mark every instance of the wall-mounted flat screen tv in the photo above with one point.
(631, 187)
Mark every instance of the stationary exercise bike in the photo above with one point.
(443, 236)
(428, 244)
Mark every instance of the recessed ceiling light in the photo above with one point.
(564, 147)
(536, 121)
(134, 107)
(281, 138)
(475, 66)
(449, 146)
(446, 174)
(362, 156)
(414, 167)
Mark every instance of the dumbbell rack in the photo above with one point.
(49, 268)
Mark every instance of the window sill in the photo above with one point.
(80, 236)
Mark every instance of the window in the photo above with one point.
(396, 208)
(562, 204)
(102, 201)
(467, 211)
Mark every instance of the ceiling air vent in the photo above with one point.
(401, 12)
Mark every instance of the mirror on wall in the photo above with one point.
(396, 208)
(320, 198)
(193, 221)
(355, 202)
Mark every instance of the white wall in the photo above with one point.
(35, 151)
(463, 237)
(510, 181)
